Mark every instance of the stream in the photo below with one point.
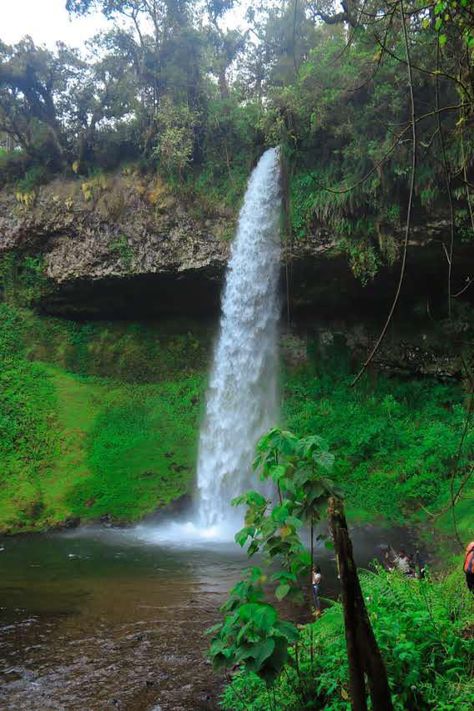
(94, 618)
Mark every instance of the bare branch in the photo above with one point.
(410, 202)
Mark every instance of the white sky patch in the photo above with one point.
(47, 22)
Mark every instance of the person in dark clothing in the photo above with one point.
(419, 565)
(469, 566)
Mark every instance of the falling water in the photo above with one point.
(242, 395)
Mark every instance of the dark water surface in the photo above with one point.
(99, 619)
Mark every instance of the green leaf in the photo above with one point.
(294, 521)
(262, 615)
(282, 591)
(242, 535)
(288, 630)
(281, 513)
(325, 460)
(274, 664)
(277, 472)
(258, 652)
(213, 629)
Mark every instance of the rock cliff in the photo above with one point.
(126, 246)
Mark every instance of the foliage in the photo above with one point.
(252, 633)
(75, 445)
(423, 629)
(395, 441)
(33, 178)
(175, 142)
(127, 353)
(170, 87)
(92, 188)
(121, 247)
(22, 278)
(27, 420)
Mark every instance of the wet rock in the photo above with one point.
(72, 522)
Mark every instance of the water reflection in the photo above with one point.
(96, 619)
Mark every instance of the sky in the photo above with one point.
(47, 21)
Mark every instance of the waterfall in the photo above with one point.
(242, 395)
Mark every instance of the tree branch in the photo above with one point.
(410, 202)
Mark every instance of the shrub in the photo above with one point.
(424, 631)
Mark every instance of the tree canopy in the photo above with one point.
(351, 90)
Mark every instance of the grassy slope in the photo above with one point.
(84, 446)
(396, 442)
(124, 449)
(116, 449)
(74, 443)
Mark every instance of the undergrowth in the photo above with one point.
(423, 629)
(396, 441)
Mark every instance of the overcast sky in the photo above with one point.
(47, 21)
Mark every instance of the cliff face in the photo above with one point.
(128, 226)
(126, 247)
(113, 227)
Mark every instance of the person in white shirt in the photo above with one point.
(316, 578)
(402, 563)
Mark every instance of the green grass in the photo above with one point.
(395, 442)
(119, 450)
(140, 450)
(77, 445)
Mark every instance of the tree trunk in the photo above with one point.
(362, 650)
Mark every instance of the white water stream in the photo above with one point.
(242, 396)
(242, 401)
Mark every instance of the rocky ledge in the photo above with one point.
(107, 243)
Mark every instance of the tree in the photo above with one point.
(252, 634)
(29, 80)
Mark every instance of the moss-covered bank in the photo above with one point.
(101, 420)
(76, 444)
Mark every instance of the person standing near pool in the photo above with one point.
(316, 578)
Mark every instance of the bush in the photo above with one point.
(13, 166)
(34, 177)
(395, 442)
(424, 631)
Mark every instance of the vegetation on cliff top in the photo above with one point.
(348, 95)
